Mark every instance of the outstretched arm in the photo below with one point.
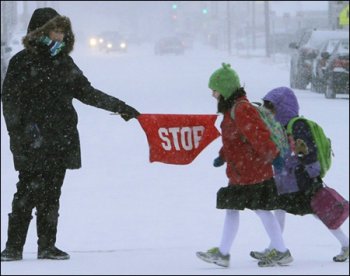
(86, 93)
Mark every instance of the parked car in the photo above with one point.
(337, 70)
(169, 45)
(109, 41)
(307, 49)
(318, 79)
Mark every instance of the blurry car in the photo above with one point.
(109, 41)
(337, 70)
(186, 39)
(169, 45)
(307, 49)
(318, 79)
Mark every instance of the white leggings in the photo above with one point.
(337, 233)
(231, 225)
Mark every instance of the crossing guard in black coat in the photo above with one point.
(38, 91)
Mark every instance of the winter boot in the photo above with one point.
(275, 257)
(52, 253)
(16, 237)
(259, 255)
(46, 226)
(343, 256)
(47, 221)
(10, 254)
(214, 256)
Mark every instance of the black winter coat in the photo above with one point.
(38, 91)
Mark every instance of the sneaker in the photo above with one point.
(259, 255)
(343, 256)
(52, 253)
(10, 254)
(276, 257)
(214, 256)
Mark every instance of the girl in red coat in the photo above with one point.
(249, 154)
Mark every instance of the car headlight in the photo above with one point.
(123, 45)
(93, 42)
(109, 45)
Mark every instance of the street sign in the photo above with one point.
(344, 16)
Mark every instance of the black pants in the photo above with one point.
(40, 190)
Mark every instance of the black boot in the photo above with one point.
(10, 254)
(16, 237)
(52, 253)
(47, 229)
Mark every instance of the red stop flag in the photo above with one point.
(178, 139)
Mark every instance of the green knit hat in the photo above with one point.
(225, 81)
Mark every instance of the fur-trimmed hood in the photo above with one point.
(31, 40)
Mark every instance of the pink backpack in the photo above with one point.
(330, 207)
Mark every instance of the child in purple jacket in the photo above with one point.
(300, 177)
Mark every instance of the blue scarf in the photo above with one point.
(54, 46)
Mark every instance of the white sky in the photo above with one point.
(121, 214)
(83, 18)
(281, 7)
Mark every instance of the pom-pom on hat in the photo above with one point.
(225, 81)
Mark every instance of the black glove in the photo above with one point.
(127, 112)
(218, 162)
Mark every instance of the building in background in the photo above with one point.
(239, 27)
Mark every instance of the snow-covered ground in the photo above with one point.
(121, 214)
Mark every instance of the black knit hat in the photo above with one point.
(40, 17)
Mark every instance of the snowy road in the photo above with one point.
(121, 214)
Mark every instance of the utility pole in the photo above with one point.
(253, 26)
(267, 28)
(228, 27)
(25, 15)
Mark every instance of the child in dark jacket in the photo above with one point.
(300, 176)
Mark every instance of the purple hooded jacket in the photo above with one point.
(298, 172)
(285, 103)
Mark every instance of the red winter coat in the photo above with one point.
(247, 147)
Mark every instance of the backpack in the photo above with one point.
(323, 143)
(277, 132)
